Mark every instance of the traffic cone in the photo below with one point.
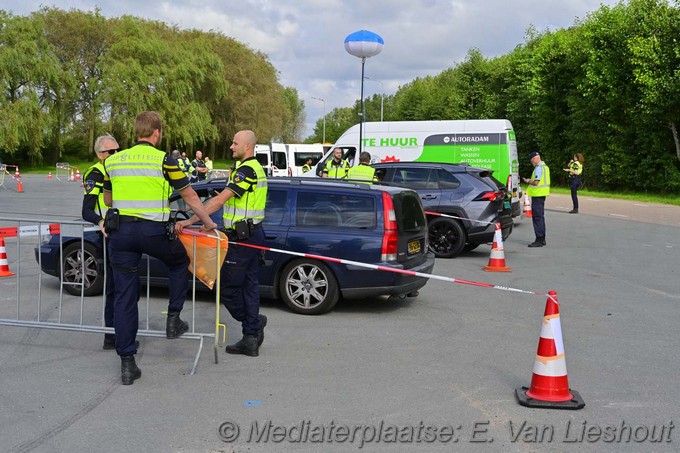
(527, 207)
(49, 175)
(78, 174)
(549, 383)
(20, 186)
(72, 177)
(497, 258)
(4, 266)
(16, 172)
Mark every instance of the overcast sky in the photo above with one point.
(305, 38)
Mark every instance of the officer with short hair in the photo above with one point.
(363, 171)
(244, 200)
(137, 183)
(93, 210)
(308, 165)
(538, 190)
(336, 167)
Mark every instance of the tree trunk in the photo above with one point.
(674, 129)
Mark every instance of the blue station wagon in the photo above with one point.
(372, 224)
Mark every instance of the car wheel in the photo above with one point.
(308, 287)
(447, 237)
(73, 270)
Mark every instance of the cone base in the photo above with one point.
(496, 269)
(573, 404)
(6, 274)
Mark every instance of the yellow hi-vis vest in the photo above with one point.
(138, 186)
(543, 187)
(98, 188)
(577, 168)
(362, 172)
(337, 171)
(251, 205)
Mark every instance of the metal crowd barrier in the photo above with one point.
(35, 310)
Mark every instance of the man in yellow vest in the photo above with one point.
(336, 167)
(538, 190)
(137, 183)
(244, 200)
(363, 171)
(94, 210)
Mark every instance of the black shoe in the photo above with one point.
(246, 346)
(174, 326)
(129, 371)
(536, 243)
(260, 335)
(573, 211)
(110, 341)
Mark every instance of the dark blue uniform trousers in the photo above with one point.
(239, 284)
(126, 247)
(538, 216)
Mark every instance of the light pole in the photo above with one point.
(382, 95)
(363, 44)
(324, 117)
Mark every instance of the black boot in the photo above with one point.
(174, 326)
(109, 341)
(537, 243)
(129, 371)
(260, 335)
(573, 211)
(246, 346)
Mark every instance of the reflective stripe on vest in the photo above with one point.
(251, 205)
(101, 206)
(543, 187)
(138, 186)
(336, 168)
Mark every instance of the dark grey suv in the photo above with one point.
(470, 193)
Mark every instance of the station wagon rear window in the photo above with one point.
(326, 210)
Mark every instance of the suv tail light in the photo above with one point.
(390, 235)
(490, 196)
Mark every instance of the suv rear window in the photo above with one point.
(326, 210)
(409, 213)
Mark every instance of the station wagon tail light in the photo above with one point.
(390, 235)
(491, 196)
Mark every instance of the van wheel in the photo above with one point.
(73, 270)
(308, 287)
(447, 237)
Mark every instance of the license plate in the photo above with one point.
(413, 247)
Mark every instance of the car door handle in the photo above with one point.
(429, 197)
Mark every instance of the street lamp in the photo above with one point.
(324, 117)
(382, 95)
(363, 44)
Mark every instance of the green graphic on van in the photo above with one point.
(390, 141)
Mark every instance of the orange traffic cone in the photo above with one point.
(78, 174)
(549, 383)
(4, 266)
(497, 258)
(49, 175)
(72, 177)
(527, 207)
(20, 186)
(16, 172)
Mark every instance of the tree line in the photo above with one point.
(68, 76)
(607, 87)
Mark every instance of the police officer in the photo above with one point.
(308, 165)
(244, 201)
(183, 163)
(137, 182)
(363, 171)
(336, 167)
(538, 190)
(94, 210)
(200, 171)
(575, 168)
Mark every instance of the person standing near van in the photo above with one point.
(575, 168)
(200, 169)
(307, 166)
(538, 190)
(363, 171)
(336, 167)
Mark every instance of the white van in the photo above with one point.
(288, 159)
(264, 157)
(480, 143)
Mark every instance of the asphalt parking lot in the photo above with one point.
(433, 373)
